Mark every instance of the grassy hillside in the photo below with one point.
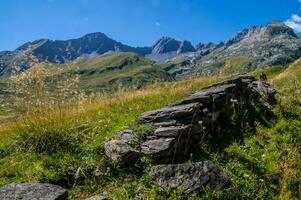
(54, 146)
(111, 72)
(51, 146)
(98, 75)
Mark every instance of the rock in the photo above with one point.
(158, 147)
(166, 48)
(265, 90)
(32, 191)
(190, 177)
(171, 131)
(166, 124)
(170, 113)
(208, 113)
(119, 151)
(98, 197)
(125, 135)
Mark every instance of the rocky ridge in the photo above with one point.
(258, 46)
(167, 48)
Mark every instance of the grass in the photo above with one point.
(51, 147)
(114, 71)
(236, 65)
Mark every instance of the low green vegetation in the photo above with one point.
(116, 71)
(65, 145)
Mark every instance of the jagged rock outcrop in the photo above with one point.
(177, 127)
(167, 48)
(31, 191)
(205, 49)
(189, 177)
(221, 110)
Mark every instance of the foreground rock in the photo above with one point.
(208, 112)
(190, 177)
(219, 114)
(31, 191)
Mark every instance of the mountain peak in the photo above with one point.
(96, 35)
(268, 31)
(168, 44)
(278, 28)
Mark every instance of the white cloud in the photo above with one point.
(294, 22)
(294, 25)
(296, 18)
(157, 24)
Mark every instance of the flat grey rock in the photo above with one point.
(171, 131)
(157, 147)
(33, 191)
(169, 113)
(190, 177)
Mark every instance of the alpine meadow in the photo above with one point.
(93, 118)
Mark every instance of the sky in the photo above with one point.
(139, 22)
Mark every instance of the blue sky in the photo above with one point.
(138, 22)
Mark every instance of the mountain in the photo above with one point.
(168, 48)
(205, 49)
(256, 47)
(112, 72)
(60, 51)
(90, 45)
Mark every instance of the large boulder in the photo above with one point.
(219, 113)
(32, 191)
(189, 177)
(209, 112)
(179, 126)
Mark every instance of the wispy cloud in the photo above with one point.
(296, 18)
(295, 21)
(157, 24)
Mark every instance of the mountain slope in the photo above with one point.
(88, 46)
(114, 71)
(60, 51)
(256, 47)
